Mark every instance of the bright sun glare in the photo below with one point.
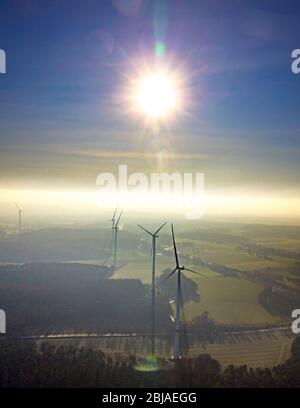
(156, 95)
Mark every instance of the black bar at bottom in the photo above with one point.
(136, 397)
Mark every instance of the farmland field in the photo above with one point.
(228, 300)
(141, 269)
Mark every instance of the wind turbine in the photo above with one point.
(113, 221)
(20, 211)
(111, 244)
(153, 251)
(179, 269)
(115, 233)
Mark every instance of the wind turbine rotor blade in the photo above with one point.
(156, 232)
(169, 275)
(17, 206)
(172, 318)
(175, 249)
(118, 220)
(197, 273)
(113, 218)
(148, 232)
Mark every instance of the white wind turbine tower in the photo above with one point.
(113, 221)
(116, 229)
(153, 287)
(20, 211)
(179, 269)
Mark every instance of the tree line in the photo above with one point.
(28, 365)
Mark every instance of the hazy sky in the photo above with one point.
(63, 112)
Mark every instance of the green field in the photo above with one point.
(230, 301)
(141, 269)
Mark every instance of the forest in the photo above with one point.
(25, 365)
(46, 298)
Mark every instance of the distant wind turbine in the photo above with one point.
(153, 251)
(20, 211)
(179, 269)
(111, 244)
(116, 229)
(113, 221)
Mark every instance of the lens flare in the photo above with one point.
(149, 365)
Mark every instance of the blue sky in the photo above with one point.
(65, 60)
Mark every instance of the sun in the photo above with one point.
(156, 95)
